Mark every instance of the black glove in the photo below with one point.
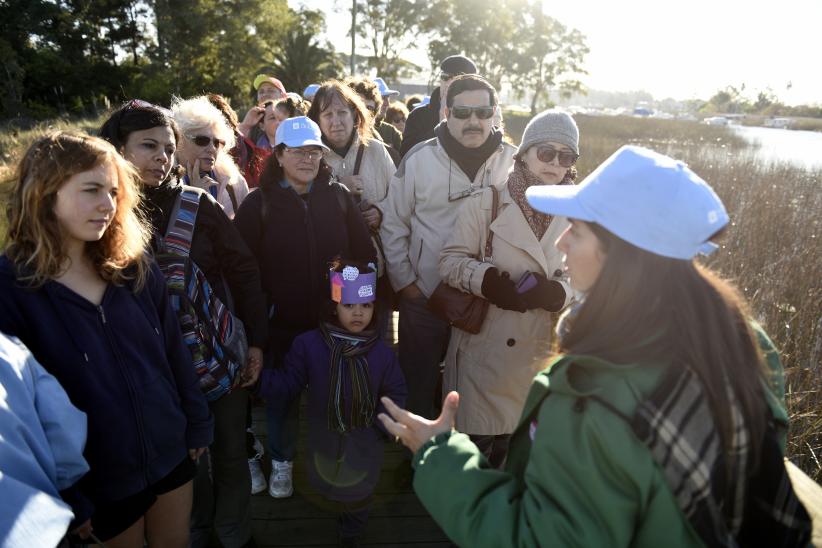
(501, 291)
(547, 294)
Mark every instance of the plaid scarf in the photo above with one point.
(726, 504)
(519, 179)
(348, 351)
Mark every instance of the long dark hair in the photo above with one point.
(136, 115)
(645, 308)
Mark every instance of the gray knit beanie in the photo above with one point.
(551, 125)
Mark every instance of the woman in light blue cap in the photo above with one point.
(662, 420)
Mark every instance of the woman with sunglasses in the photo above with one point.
(204, 152)
(661, 422)
(296, 224)
(523, 280)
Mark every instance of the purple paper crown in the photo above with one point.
(353, 287)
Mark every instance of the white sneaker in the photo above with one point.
(280, 485)
(258, 482)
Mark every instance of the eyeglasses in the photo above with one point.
(463, 113)
(547, 154)
(204, 140)
(445, 76)
(312, 155)
(139, 103)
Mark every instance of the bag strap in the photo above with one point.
(358, 161)
(489, 241)
(232, 196)
(180, 230)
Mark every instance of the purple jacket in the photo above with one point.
(343, 467)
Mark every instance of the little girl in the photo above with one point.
(347, 368)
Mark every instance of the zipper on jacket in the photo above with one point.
(102, 313)
(133, 396)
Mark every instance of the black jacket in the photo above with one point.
(294, 239)
(221, 254)
(124, 364)
(420, 124)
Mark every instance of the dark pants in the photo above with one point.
(495, 448)
(282, 421)
(422, 345)
(222, 488)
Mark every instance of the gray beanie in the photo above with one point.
(551, 125)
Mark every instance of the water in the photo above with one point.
(802, 148)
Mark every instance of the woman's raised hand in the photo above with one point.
(412, 430)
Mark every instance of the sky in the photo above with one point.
(678, 49)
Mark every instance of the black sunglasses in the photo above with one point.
(463, 113)
(547, 154)
(204, 140)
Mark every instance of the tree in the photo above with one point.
(204, 45)
(548, 56)
(389, 26)
(481, 29)
(301, 60)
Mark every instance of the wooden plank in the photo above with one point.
(810, 493)
(382, 531)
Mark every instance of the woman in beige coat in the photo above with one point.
(523, 280)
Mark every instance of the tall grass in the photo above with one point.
(772, 250)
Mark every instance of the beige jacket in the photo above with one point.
(418, 216)
(376, 168)
(493, 369)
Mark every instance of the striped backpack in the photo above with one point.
(214, 336)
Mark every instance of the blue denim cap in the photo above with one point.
(384, 89)
(310, 91)
(300, 131)
(648, 199)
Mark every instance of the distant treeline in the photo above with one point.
(73, 57)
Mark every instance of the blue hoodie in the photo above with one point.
(41, 450)
(125, 365)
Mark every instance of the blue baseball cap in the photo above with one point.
(383, 87)
(425, 100)
(310, 91)
(648, 199)
(300, 131)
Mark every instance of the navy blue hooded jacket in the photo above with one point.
(125, 365)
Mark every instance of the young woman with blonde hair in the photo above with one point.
(79, 289)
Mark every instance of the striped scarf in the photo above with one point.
(348, 352)
(519, 179)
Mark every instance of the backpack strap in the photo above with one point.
(358, 161)
(180, 229)
(232, 196)
(489, 241)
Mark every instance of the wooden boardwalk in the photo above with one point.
(304, 519)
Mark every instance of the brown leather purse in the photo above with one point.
(464, 310)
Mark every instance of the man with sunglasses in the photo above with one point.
(421, 122)
(467, 154)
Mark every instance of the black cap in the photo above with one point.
(458, 64)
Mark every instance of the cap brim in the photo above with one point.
(557, 200)
(307, 143)
(390, 93)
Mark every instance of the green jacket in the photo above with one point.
(584, 480)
